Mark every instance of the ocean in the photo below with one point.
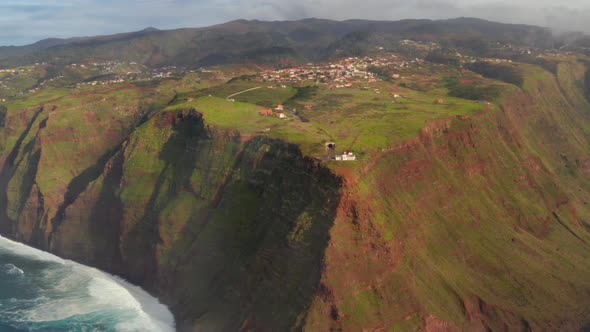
(42, 292)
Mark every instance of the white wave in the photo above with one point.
(79, 290)
(26, 251)
(12, 270)
(117, 292)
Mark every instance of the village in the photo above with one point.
(340, 74)
(358, 72)
(118, 72)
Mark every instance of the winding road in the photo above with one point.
(239, 93)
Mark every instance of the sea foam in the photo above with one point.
(77, 290)
(12, 270)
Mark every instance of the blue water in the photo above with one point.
(41, 292)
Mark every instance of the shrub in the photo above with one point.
(443, 57)
(471, 92)
(499, 72)
(587, 84)
(2, 115)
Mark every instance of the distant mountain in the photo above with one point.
(242, 40)
(13, 51)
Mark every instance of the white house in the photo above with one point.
(282, 116)
(348, 156)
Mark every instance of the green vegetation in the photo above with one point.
(472, 91)
(2, 115)
(548, 64)
(262, 95)
(359, 119)
(501, 72)
(445, 57)
(381, 72)
(587, 83)
(226, 114)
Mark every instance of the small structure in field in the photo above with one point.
(330, 150)
(331, 153)
(439, 101)
(280, 107)
(282, 116)
(346, 156)
(266, 112)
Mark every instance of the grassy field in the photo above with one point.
(362, 118)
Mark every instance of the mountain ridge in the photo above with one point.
(307, 39)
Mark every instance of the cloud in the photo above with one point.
(26, 21)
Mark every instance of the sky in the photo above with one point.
(26, 21)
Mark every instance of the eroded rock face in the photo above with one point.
(475, 224)
(230, 234)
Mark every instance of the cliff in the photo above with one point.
(479, 223)
(210, 222)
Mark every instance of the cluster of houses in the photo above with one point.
(339, 74)
(126, 71)
(13, 74)
(278, 112)
(105, 82)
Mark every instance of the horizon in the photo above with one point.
(28, 21)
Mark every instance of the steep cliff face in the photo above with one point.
(230, 233)
(209, 222)
(478, 223)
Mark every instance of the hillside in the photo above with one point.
(257, 41)
(466, 208)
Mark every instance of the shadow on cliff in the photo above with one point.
(7, 225)
(251, 255)
(141, 245)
